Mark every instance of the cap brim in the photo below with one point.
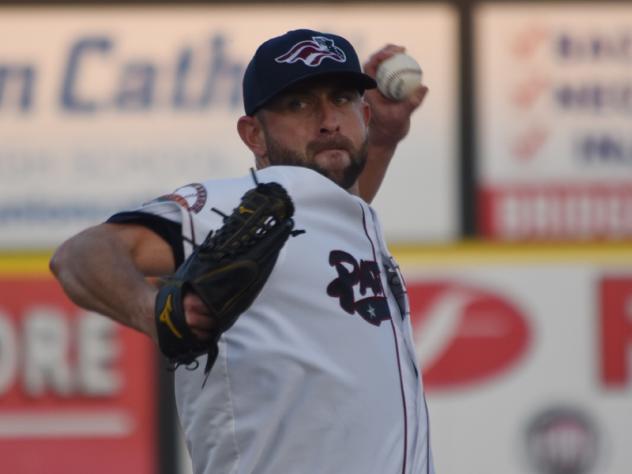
(358, 79)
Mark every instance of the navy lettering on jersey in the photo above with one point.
(364, 277)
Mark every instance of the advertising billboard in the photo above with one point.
(526, 355)
(103, 108)
(553, 100)
(77, 391)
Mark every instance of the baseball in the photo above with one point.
(398, 76)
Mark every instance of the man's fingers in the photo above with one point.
(193, 303)
(201, 334)
(408, 105)
(370, 67)
(417, 97)
(197, 316)
(200, 321)
(200, 324)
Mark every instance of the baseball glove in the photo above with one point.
(227, 272)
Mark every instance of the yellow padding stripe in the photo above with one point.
(24, 264)
(464, 253)
(477, 253)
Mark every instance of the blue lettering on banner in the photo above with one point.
(17, 83)
(84, 48)
(221, 68)
(595, 98)
(222, 79)
(200, 78)
(137, 86)
(595, 47)
(605, 149)
(182, 72)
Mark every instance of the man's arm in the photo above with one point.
(103, 269)
(390, 122)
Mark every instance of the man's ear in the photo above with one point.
(250, 130)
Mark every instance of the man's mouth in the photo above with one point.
(340, 144)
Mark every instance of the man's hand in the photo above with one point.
(390, 122)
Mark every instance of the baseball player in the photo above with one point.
(318, 373)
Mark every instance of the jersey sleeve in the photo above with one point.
(175, 217)
(168, 230)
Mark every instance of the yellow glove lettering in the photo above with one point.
(165, 317)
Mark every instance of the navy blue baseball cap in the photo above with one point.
(295, 56)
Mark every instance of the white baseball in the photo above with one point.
(398, 76)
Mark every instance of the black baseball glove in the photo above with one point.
(227, 272)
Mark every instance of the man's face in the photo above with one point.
(322, 125)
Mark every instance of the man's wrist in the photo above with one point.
(144, 317)
(381, 150)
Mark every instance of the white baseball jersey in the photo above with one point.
(319, 375)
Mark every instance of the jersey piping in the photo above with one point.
(399, 365)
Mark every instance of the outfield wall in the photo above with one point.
(526, 353)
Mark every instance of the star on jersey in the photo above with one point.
(363, 277)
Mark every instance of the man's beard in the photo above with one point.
(279, 155)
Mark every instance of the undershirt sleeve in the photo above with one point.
(168, 230)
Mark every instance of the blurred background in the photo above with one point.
(509, 207)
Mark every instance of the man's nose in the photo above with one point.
(329, 118)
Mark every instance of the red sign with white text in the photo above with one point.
(556, 212)
(77, 391)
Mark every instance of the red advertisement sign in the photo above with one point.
(556, 212)
(616, 331)
(77, 391)
(486, 333)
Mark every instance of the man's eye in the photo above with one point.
(296, 104)
(343, 98)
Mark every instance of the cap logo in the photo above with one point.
(313, 52)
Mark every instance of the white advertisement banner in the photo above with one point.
(103, 108)
(554, 104)
(527, 358)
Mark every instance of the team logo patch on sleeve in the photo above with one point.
(192, 197)
(358, 287)
(313, 52)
